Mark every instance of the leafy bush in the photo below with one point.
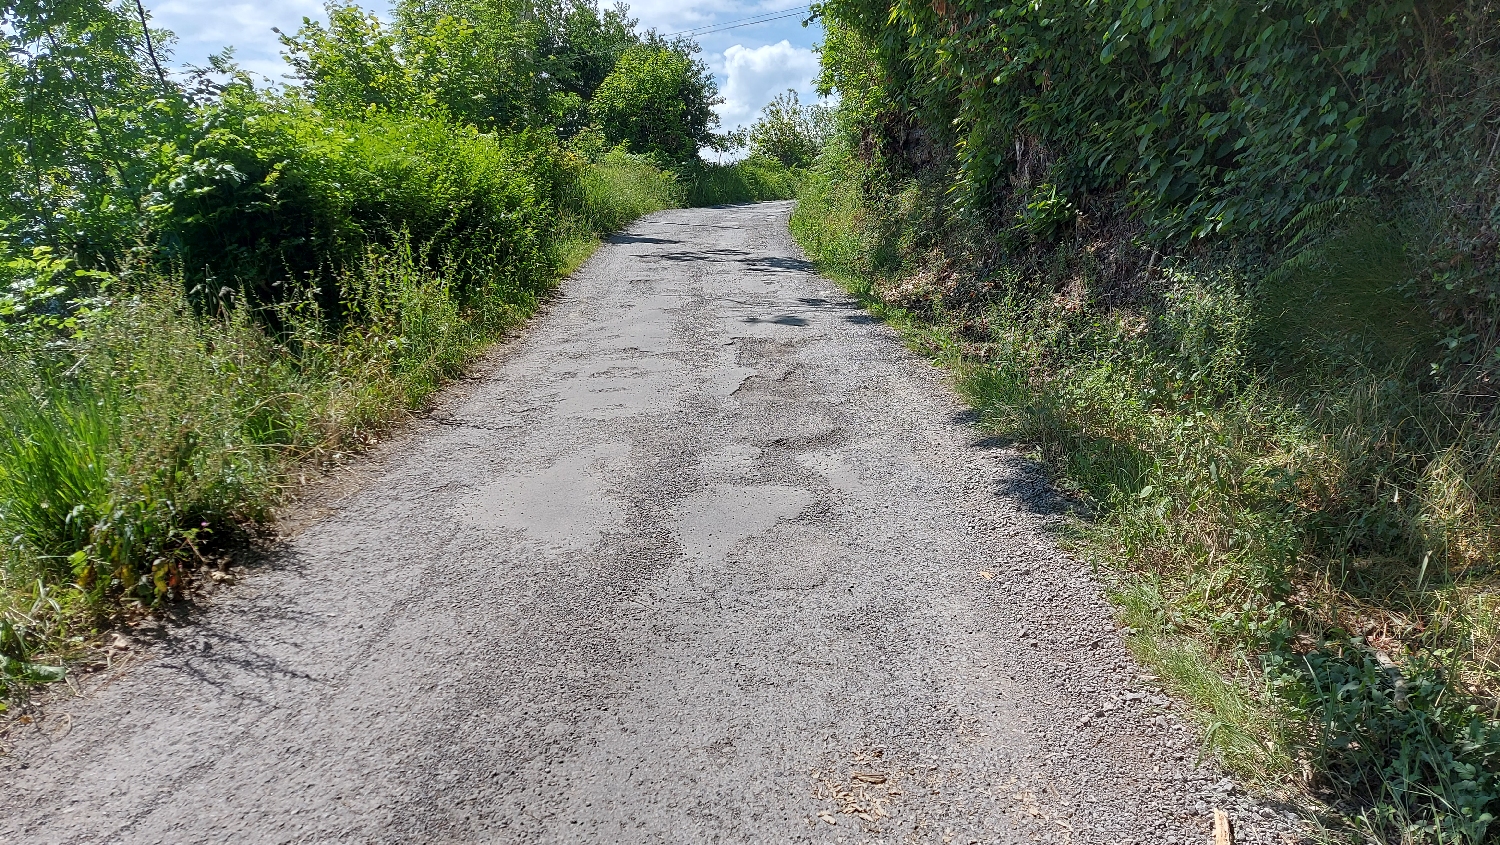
(1431, 761)
(789, 132)
(1199, 119)
(1211, 115)
(658, 101)
(45, 293)
(274, 192)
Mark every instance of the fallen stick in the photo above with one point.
(1223, 833)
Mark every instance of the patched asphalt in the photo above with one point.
(703, 556)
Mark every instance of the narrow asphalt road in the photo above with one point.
(704, 556)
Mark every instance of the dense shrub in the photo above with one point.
(658, 101)
(1234, 117)
(1212, 115)
(274, 192)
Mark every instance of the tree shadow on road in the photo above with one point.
(627, 238)
(775, 264)
(1021, 479)
(692, 255)
(780, 320)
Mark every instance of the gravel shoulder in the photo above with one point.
(704, 556)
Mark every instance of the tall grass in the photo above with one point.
(616, 188)
(619, 188)
(754, 179)
(122, 451)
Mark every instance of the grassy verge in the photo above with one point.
(1299, 533)
(755, 179)
(142, 432)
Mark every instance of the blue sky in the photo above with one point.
(752, 63)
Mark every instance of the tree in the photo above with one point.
(480, 60)
(477, 62)
(789, 131)
(85, 115)
(496, 64)
(350, 64)
(659, 101)
(582, 45)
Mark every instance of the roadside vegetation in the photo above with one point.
(1230, 270)
(207, 286)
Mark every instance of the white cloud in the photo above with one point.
(755, 76)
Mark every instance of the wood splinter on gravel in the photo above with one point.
(867, 777)
(1223, 833)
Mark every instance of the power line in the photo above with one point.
(750, 20)
(765, 21)
(796, 14)
(725, 26)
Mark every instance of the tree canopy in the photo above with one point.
(658, 101)
(509, 64)
(790, 132)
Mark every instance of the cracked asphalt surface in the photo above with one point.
(705, 555)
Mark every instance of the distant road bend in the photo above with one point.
(704, 556)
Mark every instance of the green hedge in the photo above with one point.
(275, 193)
(1213, 115)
